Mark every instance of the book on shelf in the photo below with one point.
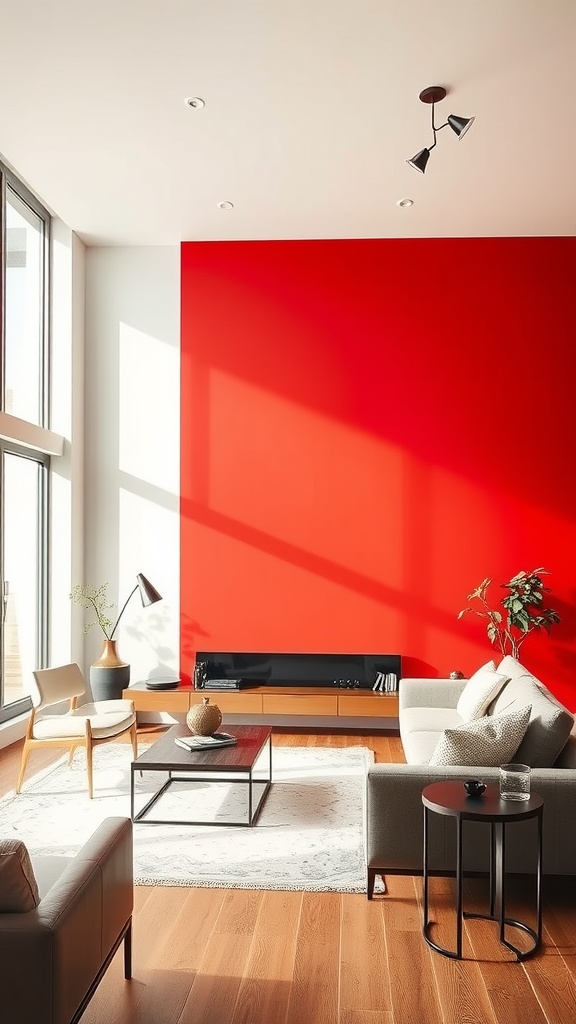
(221, 684)
(218, 739)
(386, 682)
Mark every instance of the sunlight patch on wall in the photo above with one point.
(149, 410)
(148, 543)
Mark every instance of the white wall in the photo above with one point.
(132, 447)
(67, 418)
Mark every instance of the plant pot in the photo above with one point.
(109, 675)
(203, 719)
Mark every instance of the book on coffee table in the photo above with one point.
(218, 739)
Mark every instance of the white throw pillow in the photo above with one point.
(480, 690)
(484, 743)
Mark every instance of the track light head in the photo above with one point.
(420, 160)
(460, 125)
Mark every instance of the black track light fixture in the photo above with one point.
(459, 125)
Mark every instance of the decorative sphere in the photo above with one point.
(204, 719)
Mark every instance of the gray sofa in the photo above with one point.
(393, 794)
(53, 956)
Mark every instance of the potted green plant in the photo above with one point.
(524, 610)
(109, 674)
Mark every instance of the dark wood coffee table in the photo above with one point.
(233, 765)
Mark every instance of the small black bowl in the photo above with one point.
(474, 787)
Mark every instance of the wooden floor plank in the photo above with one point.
(460, 983)
(553, 984)
(364, 981)
(195, 922)
(314, 995)
(510, 994)
(400, 907)
(264, 990)
(367, 1017)
(414, 994)
(216, 984)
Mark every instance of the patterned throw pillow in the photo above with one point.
(484, 743)
(18, 889)
(480, 690)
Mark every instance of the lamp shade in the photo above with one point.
(420, 160)
(460, 125)
(148, 593)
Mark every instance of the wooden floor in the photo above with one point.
(219, 956)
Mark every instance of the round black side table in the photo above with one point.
(449, 798)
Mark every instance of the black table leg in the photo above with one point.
(492, 870)
(459, 891)
(498, 892)
(457, 954)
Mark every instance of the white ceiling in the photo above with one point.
(311, 112)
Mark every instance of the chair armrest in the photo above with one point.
(430, 693)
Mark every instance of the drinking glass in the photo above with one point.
(515, 782)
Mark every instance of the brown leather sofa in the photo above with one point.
(52, 958)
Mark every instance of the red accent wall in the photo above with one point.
(369, 428)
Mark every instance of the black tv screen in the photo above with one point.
(269, 669)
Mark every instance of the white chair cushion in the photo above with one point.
(484, 743)
(107, 718)
(480, 690)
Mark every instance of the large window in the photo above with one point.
(24, 386)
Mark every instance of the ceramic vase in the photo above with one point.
(109, 675)
(203, 719)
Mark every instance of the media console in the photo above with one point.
(322, 688)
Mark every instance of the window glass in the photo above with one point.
(22, 579)
(24, 387)
(24, 302)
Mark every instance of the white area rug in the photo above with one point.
(309, 835)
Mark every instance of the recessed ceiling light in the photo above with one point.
(226, 205)
(405, 203)
(195, 101)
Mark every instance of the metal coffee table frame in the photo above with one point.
(449, 798)
(186, 772)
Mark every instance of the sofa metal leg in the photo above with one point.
(370, 883)
(128, 952)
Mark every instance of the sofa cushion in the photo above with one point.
(18, 889)
(421, 728)
(550, 722)
(485, 742)
(480, 690)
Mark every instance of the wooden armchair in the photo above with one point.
(84, 726)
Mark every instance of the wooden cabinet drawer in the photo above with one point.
(307, 704)
(158, 700)
(232, 703)
(370, 706)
